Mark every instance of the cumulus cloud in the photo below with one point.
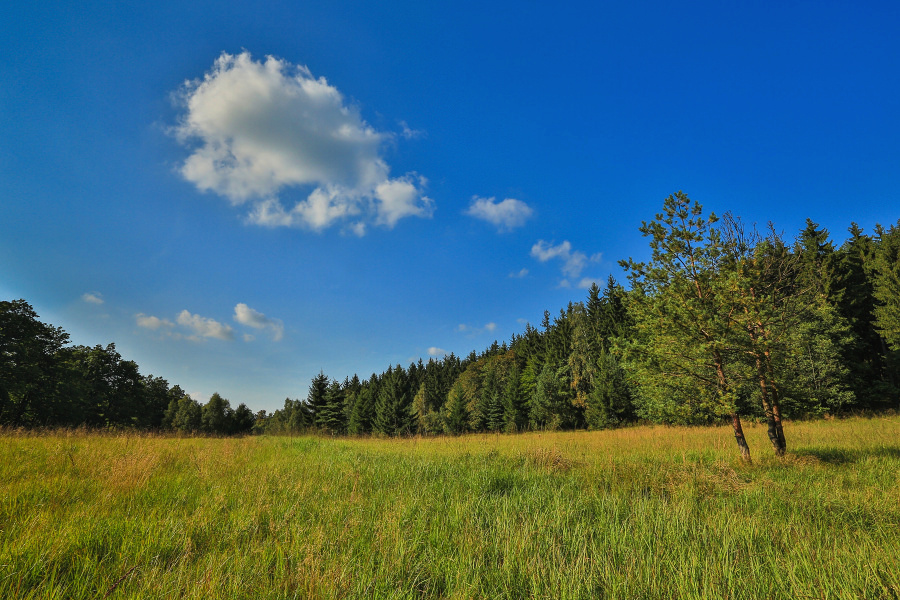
(93, 297)
(245, 315)
(204, 327)
(152, 323)
(259, 128)
(505, 215)
(435, 351)
(519, 274)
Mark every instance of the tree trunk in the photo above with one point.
(735, 418)
(739, 437)
(776, 408)
(770, 407)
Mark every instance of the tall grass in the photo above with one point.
(647, 512)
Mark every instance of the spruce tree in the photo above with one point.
(316, 399)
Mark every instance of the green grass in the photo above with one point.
(635, 513)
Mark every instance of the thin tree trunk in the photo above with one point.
(775, 400)
(739, 437)
(767, 409)
(735, 418)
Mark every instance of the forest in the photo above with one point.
(722, 323)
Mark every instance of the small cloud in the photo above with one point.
(587, 282)
(205, 327)
(505, 215)
(435, 351)
(521, 321)
(152, 323)
(474, 331)
(93, 298)
(573, 262)
(399, 198)
(409, 133)
(519, 275)
(248, 337)
(245, 315)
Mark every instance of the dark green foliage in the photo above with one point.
(392, 407)
(184, 414)
(30, 369)
(316, 398)
(609, 401)
(243, 420)
(217, 416)
(886, 271)
(456, 417)
(331, 417)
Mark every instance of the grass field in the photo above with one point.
(647, 512)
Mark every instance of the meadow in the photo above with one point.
(643, 512)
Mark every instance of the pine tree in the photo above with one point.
(683, 314)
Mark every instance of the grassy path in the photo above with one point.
(636, 513)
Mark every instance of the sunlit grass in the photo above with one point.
(648, 512)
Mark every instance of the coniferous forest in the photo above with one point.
(724, 322)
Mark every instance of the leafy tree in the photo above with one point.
(243, 419)
(29, 368)
(217, 416)
(184, 414)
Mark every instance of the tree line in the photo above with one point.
(722, 323)
(46, 383)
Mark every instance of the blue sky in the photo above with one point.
(241, 196)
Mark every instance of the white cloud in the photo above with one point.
(519, 274)
(435, 351)
(205, 327)
(399, 198)
(245, 315)
(573, 263)
(93, 297)
(473, 331)
(587, 282)
(151, 322)
(505, 215)
(409, 133)
(258, 128)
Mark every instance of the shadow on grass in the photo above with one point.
(841, 456)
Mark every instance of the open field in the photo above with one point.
(635, 513)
